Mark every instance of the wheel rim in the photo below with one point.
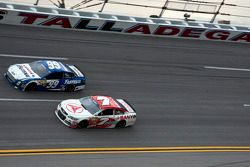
(31, 87)
(70, 88)
(83, 124)
(121, 124)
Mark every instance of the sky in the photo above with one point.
(146, 11)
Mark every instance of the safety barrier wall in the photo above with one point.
(17, 14)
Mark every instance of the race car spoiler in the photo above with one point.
(127, 105)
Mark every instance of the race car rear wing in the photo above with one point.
(126, 105)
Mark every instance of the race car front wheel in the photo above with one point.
(31, 87)
(83, 124)
(121, 124)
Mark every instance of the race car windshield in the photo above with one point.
(39, 68)
(89, 104)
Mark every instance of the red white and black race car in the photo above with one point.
(96, 112)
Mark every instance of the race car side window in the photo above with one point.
(106, 112)
(118, 112)
(67, 75)
(55, 75)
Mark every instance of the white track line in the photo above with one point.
(33, 57)
(29, 100)
(225, 68)
(246, 105)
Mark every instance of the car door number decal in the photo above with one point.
(103, 121)
(53, 65)
(52, 84)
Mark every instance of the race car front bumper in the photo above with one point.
(63, 117)
(11, 79)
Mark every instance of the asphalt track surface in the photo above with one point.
(178, 101)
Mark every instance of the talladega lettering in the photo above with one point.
(163, 30)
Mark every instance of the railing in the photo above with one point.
(38, 16)
(205, 10)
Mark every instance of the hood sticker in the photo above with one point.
(74, 108)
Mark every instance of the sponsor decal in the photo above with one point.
(93, 121)
(30, 72)
(23, 71)
(74, 108)
(42, 82)
(45, 20)
(127, 117)
(67, 81)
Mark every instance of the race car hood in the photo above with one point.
(22, 71)
(74, 108)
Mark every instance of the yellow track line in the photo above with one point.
(122, 150)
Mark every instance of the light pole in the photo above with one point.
(104, 3)
(36, 2)
(218, 11)
(163, 8)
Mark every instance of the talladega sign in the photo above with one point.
(120, 26)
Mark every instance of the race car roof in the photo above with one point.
(106, 102)
(55, 66)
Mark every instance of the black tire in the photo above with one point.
(30, 87)
(70, 88)
(83, 124)
(121, 124)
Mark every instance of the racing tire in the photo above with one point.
(83, 124)
(30, 87)
(70, 88)
(121, 124)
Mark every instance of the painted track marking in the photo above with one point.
(30, 100)
(123, 150)
(227, 68)
(33, 57)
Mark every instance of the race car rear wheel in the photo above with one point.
(83, 124)
(70, 88)
(30, 87)
(121, 124)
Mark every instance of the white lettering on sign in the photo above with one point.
(234, 34)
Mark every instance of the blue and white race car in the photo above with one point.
(45, 75)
